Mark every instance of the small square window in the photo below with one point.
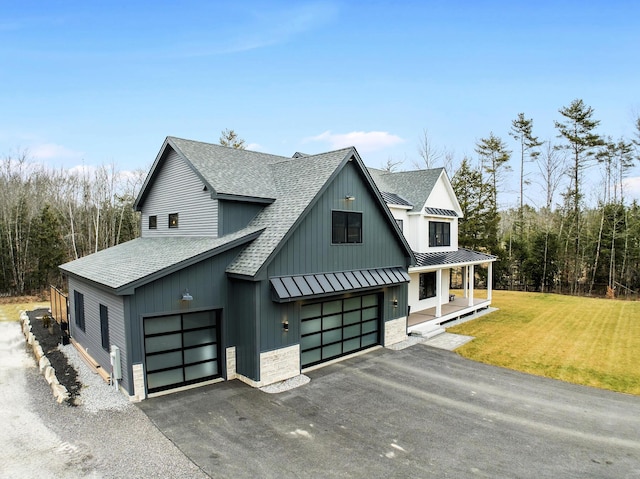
(439, 233)
(153, 222)
(346, 227)
(173, 220)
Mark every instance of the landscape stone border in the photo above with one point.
(60, 392)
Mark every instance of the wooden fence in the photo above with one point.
(59, 305)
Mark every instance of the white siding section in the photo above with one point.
(91, 338)
(440, 197)
(177, 189)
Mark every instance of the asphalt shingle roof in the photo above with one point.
(297, 182)
(290, 185)
(231, 171)
(413, 186)
(130, 262)
(462, 255)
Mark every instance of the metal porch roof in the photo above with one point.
(292, 288)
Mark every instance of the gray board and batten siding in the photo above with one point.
(309, 250)
(90, 338)
(177, 189)
(235, 215)
(206, 282)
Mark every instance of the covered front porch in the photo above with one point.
(458, 307)
(434, 301)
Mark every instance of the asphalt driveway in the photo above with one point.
(420, 412)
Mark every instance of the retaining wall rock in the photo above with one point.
(60, 393)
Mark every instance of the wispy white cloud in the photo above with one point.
(261, 28)
(632, 187)
(364, 141)
(254, 147)
(53, 151)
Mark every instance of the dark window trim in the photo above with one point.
(153, 222)
(173, 220)
(439, 233)
(346, 227)
(78, 303)
(428, 285)
(104, 327)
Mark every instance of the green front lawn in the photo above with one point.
(595, 342)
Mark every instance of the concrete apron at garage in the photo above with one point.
(417, 412)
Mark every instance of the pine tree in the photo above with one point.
(522, 131)
(494, 158)
(581, 143)
(231, 139)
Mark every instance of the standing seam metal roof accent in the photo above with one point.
(290, 288)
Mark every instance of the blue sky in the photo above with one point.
(95, 83)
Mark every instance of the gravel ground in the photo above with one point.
(103, 436)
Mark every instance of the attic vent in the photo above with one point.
(205, 188)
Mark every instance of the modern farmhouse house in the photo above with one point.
(249, 266)
(426, 209)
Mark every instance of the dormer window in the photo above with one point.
(439, 233)
(153, 222)
(173, 220)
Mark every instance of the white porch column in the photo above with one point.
(465, 281)
(489, 280)
(439, 293)
(471, 285)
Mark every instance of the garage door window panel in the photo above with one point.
(352, 317)
(163, 343)
(351, 345)
(163, 324)
(200, 371)
(370, 340)
(199, 337)
(165, 378)
(204, 353)
(311, 326)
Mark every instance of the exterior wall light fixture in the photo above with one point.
(349, 198)
(186, 296)
(395, 302)
(285, 325)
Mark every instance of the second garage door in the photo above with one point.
(330, 329)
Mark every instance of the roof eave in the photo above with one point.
(130, 287)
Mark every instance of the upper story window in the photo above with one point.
(346, 227)
(153, 222)
(400, 224)
(439, 233)
(173, 220)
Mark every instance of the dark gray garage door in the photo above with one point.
(181, 349)
(330, 329)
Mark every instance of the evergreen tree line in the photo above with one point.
(566, 245)
(49, 217)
